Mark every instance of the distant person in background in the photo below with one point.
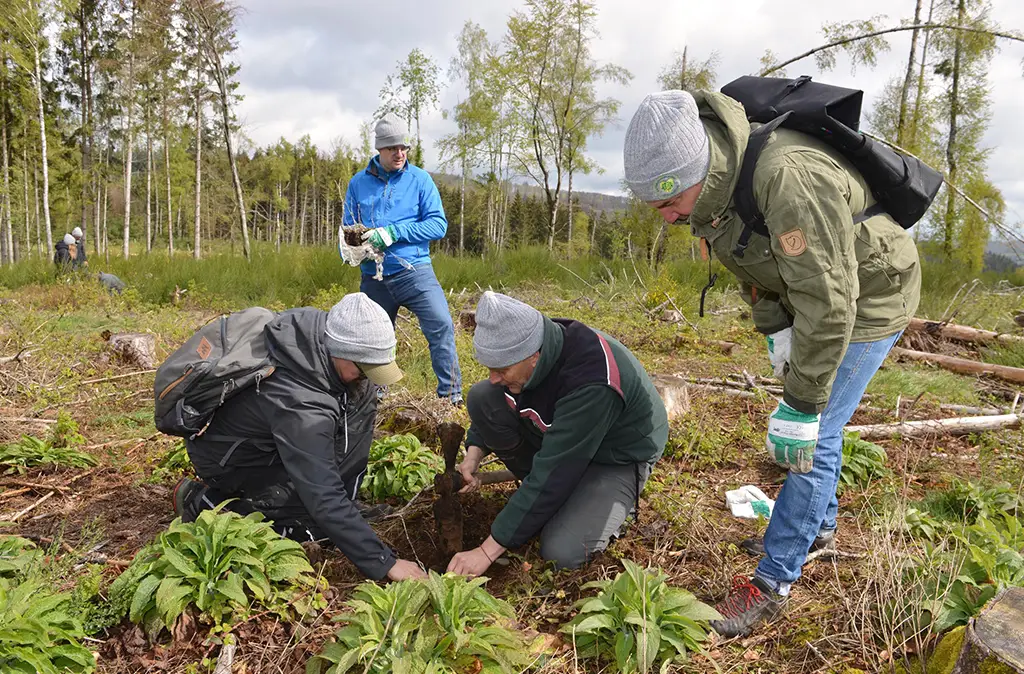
(402, 207)
(111, 283)
(64, 253)
(79, 259)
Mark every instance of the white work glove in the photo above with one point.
(779, 345)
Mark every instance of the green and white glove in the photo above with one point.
(792, 436)
(380, 237)
(779, 346)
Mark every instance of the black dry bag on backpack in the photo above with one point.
(903, 186)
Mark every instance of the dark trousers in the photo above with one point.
(597, 508)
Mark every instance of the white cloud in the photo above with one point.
(316, 66)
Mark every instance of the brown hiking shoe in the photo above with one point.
(823, 541)
(749, 603)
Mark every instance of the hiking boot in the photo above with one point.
(749, 603)
(184, 496)
(823, 541)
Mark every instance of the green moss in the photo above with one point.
(944, 657)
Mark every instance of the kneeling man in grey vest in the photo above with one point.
(572, 413)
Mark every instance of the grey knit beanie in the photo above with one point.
(358, 329)
(507, 330)
(68, 239)
(666, 149)
(390, 130)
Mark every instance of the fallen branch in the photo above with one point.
(29, 509)
(34, 485)
(106, 379)
(13, 492)
(826, 553)
(930, 427)
(963, 365)
(962, 333)
(29, 420)
(24, 353)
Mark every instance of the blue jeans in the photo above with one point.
(807, 504)
(417, 289)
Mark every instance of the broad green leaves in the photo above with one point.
(37, 634)
(637, 620)
(222, 564)
(863, 462)
(31, 451)
(443, 624)
(400, 467)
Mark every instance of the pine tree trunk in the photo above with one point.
(197, 231)
(24, 183)
(462, 207)
(106, 232)
(949, 222)
(908, 79)
(302, 217)
(86, 102)
(167, 171)
(235, 181)
(96, 213)
(149, 188)
(8, 234)
(35, 188)
(42, 143)
(569, 202)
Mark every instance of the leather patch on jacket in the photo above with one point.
(793, 242)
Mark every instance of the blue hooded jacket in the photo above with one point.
(408, 201)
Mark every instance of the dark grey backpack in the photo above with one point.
(226, 356)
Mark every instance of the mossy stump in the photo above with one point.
(994, 641)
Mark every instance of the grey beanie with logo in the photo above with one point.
(666, 149)
(358, 329)
(507, 330)
(390, 130)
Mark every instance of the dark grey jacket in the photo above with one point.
(304, 418)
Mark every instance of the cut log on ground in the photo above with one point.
(674, 394)
(930, 427)
(994, 641)
(962, 333)
(962, 365)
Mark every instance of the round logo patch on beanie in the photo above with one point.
(667, 184)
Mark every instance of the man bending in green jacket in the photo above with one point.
(830, 289)
(572, 413)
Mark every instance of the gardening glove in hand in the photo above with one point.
(380, 237)
(779, 345)
(792, 436)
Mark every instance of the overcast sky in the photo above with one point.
(316, 66)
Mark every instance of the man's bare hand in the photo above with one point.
(403, 569)
(468, 468)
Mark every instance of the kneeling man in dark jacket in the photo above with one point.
(572, 413)
(295, 446)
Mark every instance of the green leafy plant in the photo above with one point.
(921, 524)
(30, 452)
(17, 556)
(400, 467)
(64, 433)
(173, 464)
(863, 462)
(444, 624)
(101, 608)
(966, 501)
(222, 564)
(37, 633)
(638, 620)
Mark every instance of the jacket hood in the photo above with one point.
(728, 133)
(550, 350)
(60, 245)
(296, 341)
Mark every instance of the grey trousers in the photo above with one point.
(597, 508)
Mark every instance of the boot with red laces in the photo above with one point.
(749, 603)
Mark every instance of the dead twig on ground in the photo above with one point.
(17, 516)
(101, 380)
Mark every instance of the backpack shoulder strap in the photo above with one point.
(746, 202)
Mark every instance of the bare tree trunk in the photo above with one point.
(225, 121)
(106, 233)
(919, 94)
(198, 234)
(568, 196)
(302, 217)
(167, 172)
(908, 79)
(128, 147)
(86, 103)
(949, 221)
(277, 229)
(42, 143)
(8, 234)
(24, 183)
(96, 213)
(39, 234)
(149, 187)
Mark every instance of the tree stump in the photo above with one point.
(994, 641)
(134, 348)
(675, 394)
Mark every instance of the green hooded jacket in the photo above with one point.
(832, 280)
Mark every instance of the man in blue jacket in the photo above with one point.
(402, 207)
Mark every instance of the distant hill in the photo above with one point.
(591, 201)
